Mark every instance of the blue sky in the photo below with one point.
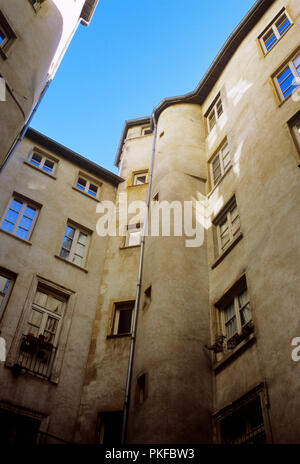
(133, 54)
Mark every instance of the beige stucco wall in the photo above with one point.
(31, 57)
(59, 401)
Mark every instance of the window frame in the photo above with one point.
(26, 202)
(89, 181)
(135, 228)
(224, 169)
(289, 64)
(77, 230)
(9, 35)
(44, 157)
(213, 113)
(273, 27)
(119, 306)
(6, 295)
(146, 129)
(294, 127)
(135, 175)
(225, 216)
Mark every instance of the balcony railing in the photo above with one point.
(36, 355)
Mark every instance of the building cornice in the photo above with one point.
(208, 81)
(73, 157)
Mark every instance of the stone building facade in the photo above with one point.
(215, 346)
(34, 35)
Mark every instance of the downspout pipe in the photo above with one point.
(50, 78)
(138, 294)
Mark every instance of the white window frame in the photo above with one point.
(74, 239)
(118, 307)
(87, 188)
(289, 64)
(237, 314)
(233, 230)
(6, 294)
(213, 114)
(44, 159)
(132, 228)
(274, 28)
(221, 154)
(25, 203)
(47, 313)
(136, 175)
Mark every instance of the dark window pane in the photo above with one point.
(2, 36)
(125, 321)
(48, 166)
(283, 24)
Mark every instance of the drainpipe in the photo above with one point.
(50, 77)
(138, 294)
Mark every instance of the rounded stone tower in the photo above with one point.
(171, 384)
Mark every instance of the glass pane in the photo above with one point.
(125, 321)
(8, 226)
(93, 190)
(36, 159)
(296, 62)
(231, 328)
(134, 238)
(219, 108)
(212, 119)
(4, 284)
(223, 226)
(16, 205)
(25, 223)
(48, 166)
(82, 238)
(64, 253)
(51, 324)
(54, 305)
(41, 299)
(22, 233)
(49, 337)
(81, 183)
(139, 180)
(70, 232)
(30, 212)
(36, 317)
(33, 330)
(284, 74)
(229, 312)
(270, 39)
(2, 36)
(282, 24)
(79, 249)
(243, 298)
(1, 299)
(12, 216)
(245, 314)
(77, 260)
(67, 243)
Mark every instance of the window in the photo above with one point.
(75, 245)
(288, 78)
(36, 4)
(7, 281)
(146, 130)
(40, 337)
(141, 391)
(147, 297)
(227, 225)
(109, 427)
(220, 163)
(214, 113)
(133, 235)
(18, 429)
(235, 319)
(42, 162)
(279, 26)
(86, 186)
(140, 178)
(6, 35)
(294, 125)
(122, 318)
(244, 423)
(20, 217)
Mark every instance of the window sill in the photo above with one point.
(40, 170)
(230, 356)
(119, 335)
(138, 185)
(127, 247)
(219, 182)
(228, 249)
(84, 269)
(15, 236)
(86, 194)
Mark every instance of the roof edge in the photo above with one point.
(127, 124)
(73, 157)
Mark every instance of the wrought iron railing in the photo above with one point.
(36, 355)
